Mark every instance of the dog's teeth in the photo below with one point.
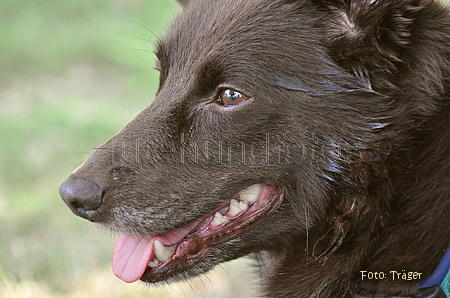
(153, 263)
(162, 252)
(237, 207)
(251, 193)
(218, 219)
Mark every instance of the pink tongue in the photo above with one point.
(131, 256)
(133, 252)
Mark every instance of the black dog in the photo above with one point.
(313, 134)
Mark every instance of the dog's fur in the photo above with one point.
(347, 117)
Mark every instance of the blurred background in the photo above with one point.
(73, 73)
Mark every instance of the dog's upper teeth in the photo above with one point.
(251, 193)
(153, 263)
(219, 219)
(162, 252)
(237, 207)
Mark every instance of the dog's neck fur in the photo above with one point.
(406, 246)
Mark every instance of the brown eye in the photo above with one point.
(231, 97)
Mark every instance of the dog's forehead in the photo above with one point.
(218, 20)
(241, 30)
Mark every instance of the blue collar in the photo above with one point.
(441, 276)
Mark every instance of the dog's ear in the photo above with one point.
(369, 36)
(182, 2)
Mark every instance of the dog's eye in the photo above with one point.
(231, 97)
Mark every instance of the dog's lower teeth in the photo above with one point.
(251, 193)
(219, 219)
(162, 252)
(153, 263)
(237, 207)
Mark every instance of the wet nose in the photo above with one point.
(82, 195)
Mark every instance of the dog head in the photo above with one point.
(268, 115)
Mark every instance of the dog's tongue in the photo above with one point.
(131, 256)
(133, 252)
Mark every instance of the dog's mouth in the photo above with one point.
(157, 258)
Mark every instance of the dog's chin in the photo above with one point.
(188, 250)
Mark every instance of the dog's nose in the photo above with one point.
(82, 195)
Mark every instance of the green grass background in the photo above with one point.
(72, 73)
